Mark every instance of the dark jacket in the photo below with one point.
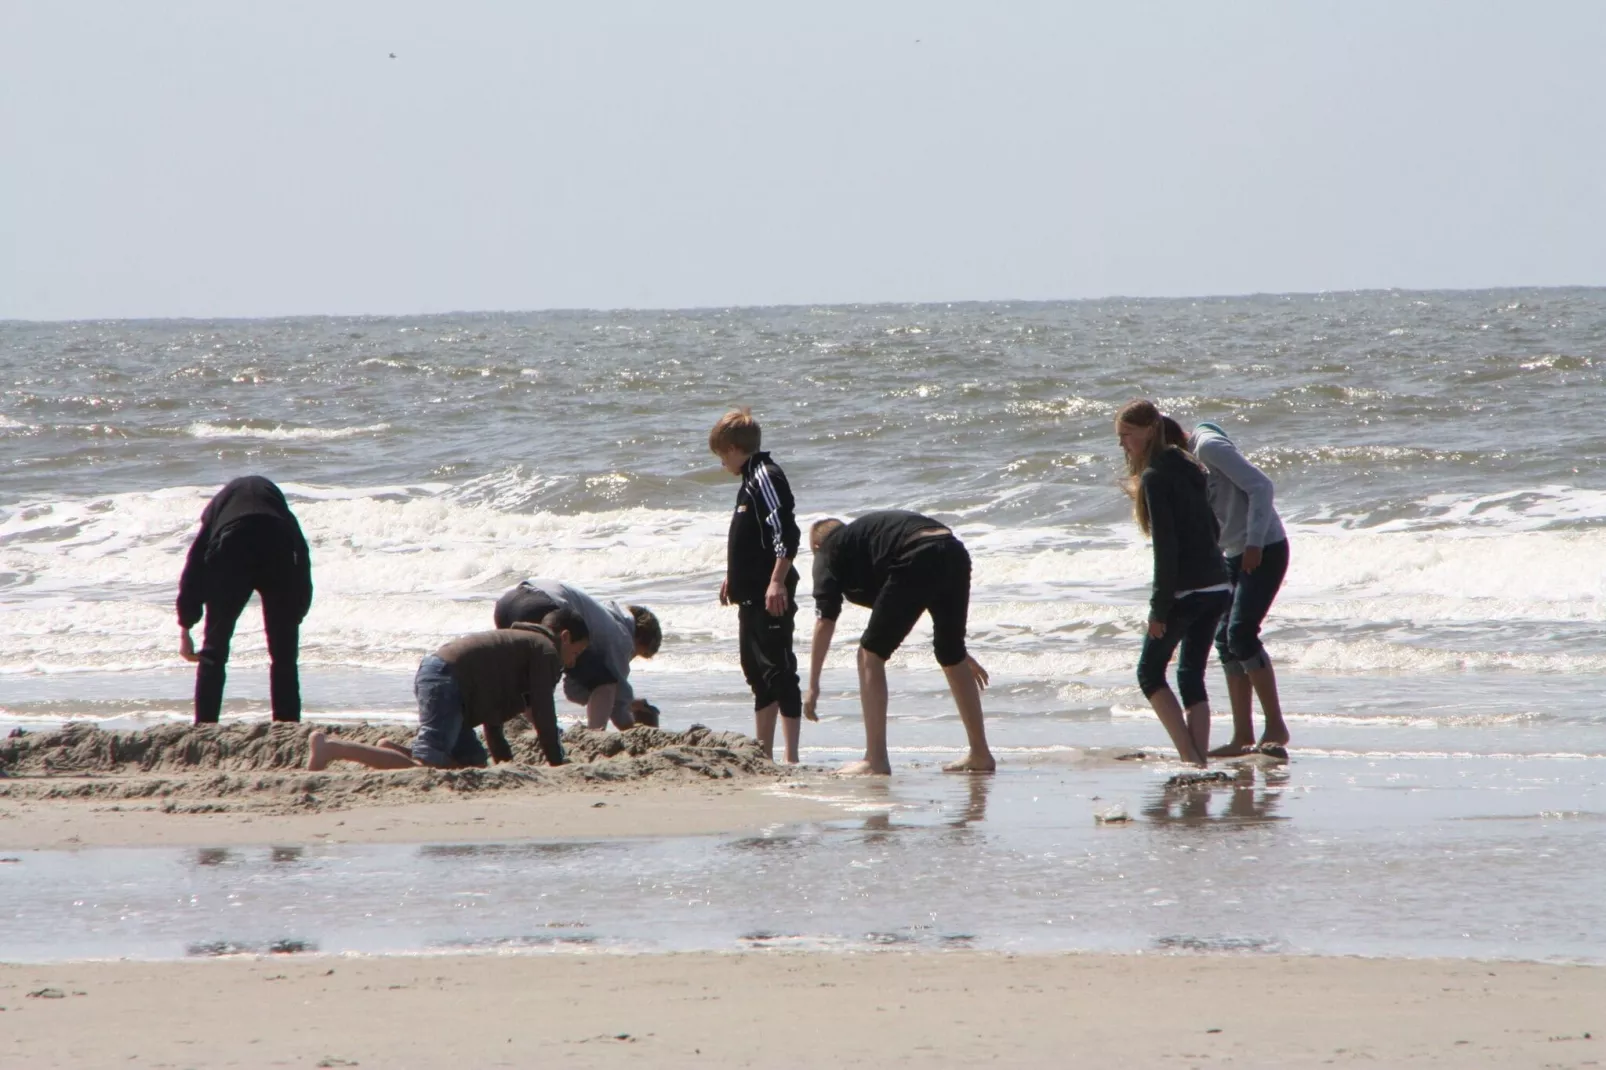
(762, 529)
(504, 672)
(247, 500)
(1183, 527)
(854, 560)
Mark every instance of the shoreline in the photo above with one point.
(954, 1008)
(645, 809)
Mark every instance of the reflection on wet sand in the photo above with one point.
(1252, 797)
(506, 850)
(975, 808)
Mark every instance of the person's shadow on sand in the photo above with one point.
(1251, 800)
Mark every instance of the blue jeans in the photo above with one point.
(1191, 623)
(1238, 638)
(443, 739)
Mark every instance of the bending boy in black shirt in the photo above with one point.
(900, 564)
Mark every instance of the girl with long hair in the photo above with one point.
(1191, 589)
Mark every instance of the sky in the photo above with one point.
(226, 158)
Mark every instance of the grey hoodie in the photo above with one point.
(613, 641)
(1240, 494)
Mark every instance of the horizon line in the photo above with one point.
(932, 304)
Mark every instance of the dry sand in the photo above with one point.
(239, 784)
(803, 1010)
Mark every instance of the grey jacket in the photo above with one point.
(613, 644)
(1240, 494)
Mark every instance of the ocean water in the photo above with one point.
(1438, 461)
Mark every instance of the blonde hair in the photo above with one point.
(1141, 413)
(1168, 435)
(820, 529)
(736, 430)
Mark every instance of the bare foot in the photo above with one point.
(316, 758)
(390, 744)
(972, 763)
(1235, 749)
(863, 767)
(1272, 750)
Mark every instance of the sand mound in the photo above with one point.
(246, 766)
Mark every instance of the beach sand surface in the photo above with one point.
(792, 1009)
(242, 785)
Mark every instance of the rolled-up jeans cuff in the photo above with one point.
(1257, 660)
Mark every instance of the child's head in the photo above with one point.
(1140, 429)
(574, 636)
(821, 530)
(1144, 431)
(649, 633)
(735, 438)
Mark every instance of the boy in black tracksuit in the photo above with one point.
(249, 541)
(760, 579)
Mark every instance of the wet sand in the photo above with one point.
(790, 1009)
(240, 785)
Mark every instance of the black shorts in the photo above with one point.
(930, 575)
(768, 661)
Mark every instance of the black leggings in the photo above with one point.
(252, 555)
(1191, 623)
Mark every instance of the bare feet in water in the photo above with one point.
(317, 759)
(1236, 749)
(863, 767)
(972, 763)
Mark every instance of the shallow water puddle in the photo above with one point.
(1324, 855)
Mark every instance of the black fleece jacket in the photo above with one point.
(247, 499)
(1183, 527)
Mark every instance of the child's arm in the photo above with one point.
(823, 631)
(543, 716)
(776, 494)
(496, 742)
(775, 599)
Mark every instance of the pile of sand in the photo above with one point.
(252, 766)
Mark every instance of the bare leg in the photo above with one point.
(764, 728)
(1264, 681)
(321, 750)
(1169, 710)
(399, 748)
(967, 697)
(1199, 726)
(873, 703)
(1243, 720)
(790, 728)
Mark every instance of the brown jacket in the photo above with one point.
(503, 674)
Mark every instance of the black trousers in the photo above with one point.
(253, 555)
(767, 658)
